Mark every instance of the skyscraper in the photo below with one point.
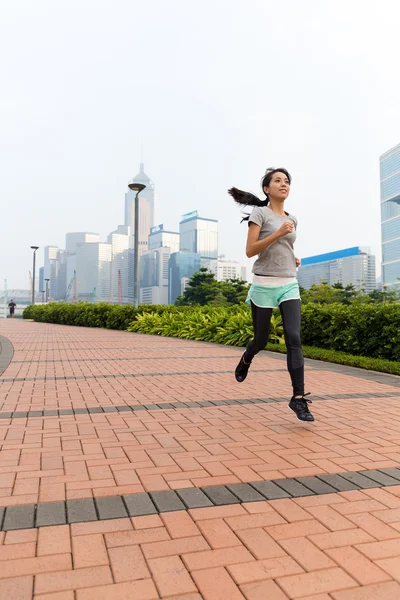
(354, 266)
(121, 266)
(154, 270)
(390, 216)
(79, 237)
(161, 238)
(51, 269)
(200, 236)
(146, 208)
(93, 271)
(182, 265)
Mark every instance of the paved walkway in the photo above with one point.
(135, 467)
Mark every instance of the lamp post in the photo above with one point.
(47, 290)
(136, 187)
(34, 248)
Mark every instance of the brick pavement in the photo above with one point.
(311, 544)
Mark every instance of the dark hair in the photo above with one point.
(248, 199)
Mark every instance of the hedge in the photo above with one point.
(360, 331)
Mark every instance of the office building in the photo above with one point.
(93, 271)
(41, 280)
(62, 284)
(154, 271)
(354, 266)
(229, 269)
(182, 265)
(390, 217)
(79, 237)
(121, 265)
(146, 209)
(160, 237)
(51, 268)
(200, 236)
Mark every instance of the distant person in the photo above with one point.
(12, 306)
(271, 236)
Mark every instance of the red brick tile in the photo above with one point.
(33, 566)
(217, 512)
(89, 551)
(110, 526)
(297, 529)
(266, 589)
(357, 566)
(18, 588)
(306, 554)
(154, 483)
(216, 584)
(54, 540)
(336, 539)
(330, 518)
(380, 591)
(126, 538)
(179, 524)
(72, 580)
(320, 500)
(391, 566)
(21, 536)
(223, 480)
(327, 580)
(384, 497)
(260, 520)
(128, 563)
(218, 534)
(260, 544)
(289, 510)
(374, 526)
(56, 596)
(359, 507)
(170, 576)
(217, 558)
(148, 521)
(175, 547)
(13, 551)
(53, 492)
(137, 590)
(375, 550)
(264, 569)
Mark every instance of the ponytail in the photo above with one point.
(247, 199)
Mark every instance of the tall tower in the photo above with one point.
(390, 217)
(146, 208)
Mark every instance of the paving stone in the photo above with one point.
(95, 410)
(108, 409)
(35, 413)
(245, 492)
(220, 495)
(124, 408)
(81, 511)
(165, 406)
(360, 480)
(137, 407)
(180, 405)
(339, 483)
(316, 485)
(382, 478)
(50, 413)
(51, 513)
(20, 414)
(167, 501)
(111, 508)
(66, 411)
(81, 411)
(194, 498)
(294, 488)
(393, 472)
(269, 490)
(2, 511)
(19, 517)
(139, 505)
(5, 415)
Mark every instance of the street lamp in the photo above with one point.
(47, 290)
(34, 248)
(136, 187)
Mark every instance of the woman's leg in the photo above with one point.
(291, 317)
(261, 322)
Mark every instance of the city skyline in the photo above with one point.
(212, 116)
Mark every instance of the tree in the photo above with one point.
(234, 290)
(202, 289)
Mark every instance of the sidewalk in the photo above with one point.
(135, 467)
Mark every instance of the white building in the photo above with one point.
(122, 264)
(159, 237)
(354, 266)
(229, 269)
(200, 236)
(146, 209)
(154, 274)
(79, 237)
(93, 271)
(51, 268)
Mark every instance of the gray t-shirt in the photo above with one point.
(278, 260)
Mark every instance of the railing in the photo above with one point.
(5, 311)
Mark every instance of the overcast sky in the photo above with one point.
(217, 92)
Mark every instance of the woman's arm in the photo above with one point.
(255, 246)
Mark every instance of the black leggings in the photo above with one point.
(291, 316)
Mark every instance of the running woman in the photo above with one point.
(271, 236)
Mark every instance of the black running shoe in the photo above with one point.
(241, 370)
(300, 407)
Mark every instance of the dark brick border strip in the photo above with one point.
(132, 358)
(130, 375)
(177, 405)
(44, 514)
(6, 353)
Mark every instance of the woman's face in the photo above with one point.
(279, 187)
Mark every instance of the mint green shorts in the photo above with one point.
(272, 296)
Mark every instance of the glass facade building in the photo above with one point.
(354, 266)
(182, 265)
(390, 216)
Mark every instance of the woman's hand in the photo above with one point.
(285, 228)
(298, 262)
